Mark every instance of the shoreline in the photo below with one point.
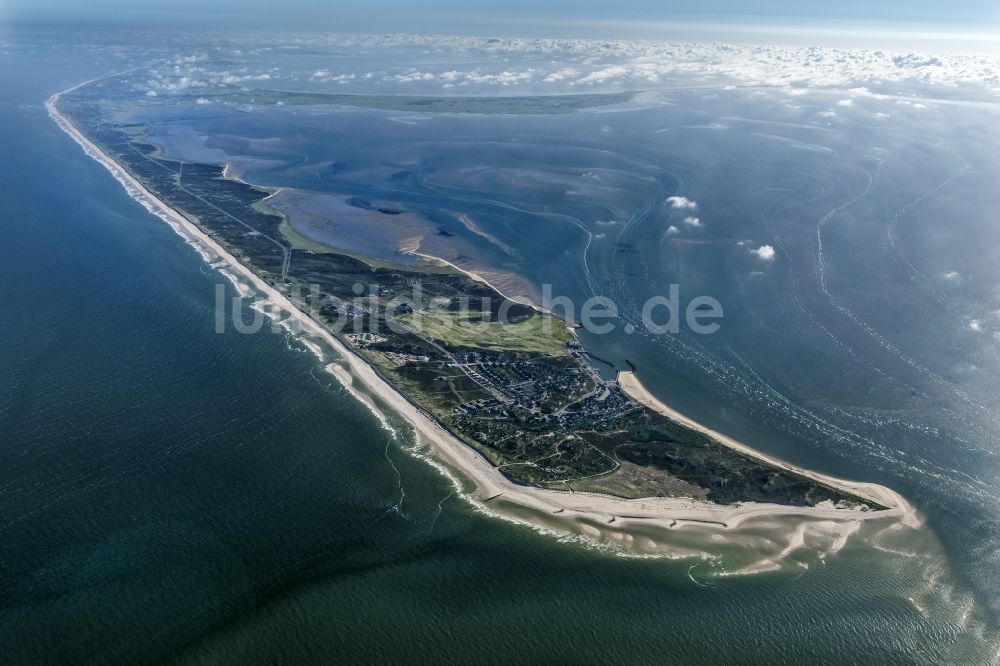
(601, 518)
(630, 384)
(525, 300)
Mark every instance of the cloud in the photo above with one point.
(976, 325)
(433, 63)
(672, 230)
(324, 76)
(692, 221)
(682, 202)
(179, 75)
(637, 63)
(764, 253)
(233, 79)
(952, 276)
(845, 102)
(913, 61)
(563, 74)
(411, 76)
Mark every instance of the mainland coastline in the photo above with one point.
(593, 515)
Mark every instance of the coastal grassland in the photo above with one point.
(538, 104)
(435, 386)
(634, 481)
(649, 440)
(538, 333)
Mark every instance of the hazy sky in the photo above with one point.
(895, 23)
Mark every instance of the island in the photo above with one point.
(507, 380)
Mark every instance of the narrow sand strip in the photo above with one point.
(522, 299)
(629, 383)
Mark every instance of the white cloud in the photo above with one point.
(233, 79)
(433, 63)
(682, 202)
(976, 325)
(952, 276)
(324, 76)
(592, 63)
(672, 230)
(563, 74)
(764, 252)
(411, 76)
(692, 221)
(183, 74)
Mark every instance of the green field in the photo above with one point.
(539, 333)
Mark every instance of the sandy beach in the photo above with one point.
(523, 295)
(629, 383)
(597, 517)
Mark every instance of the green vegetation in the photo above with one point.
(542, 334)
(631, 480)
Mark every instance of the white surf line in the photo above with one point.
(440, 508)
(450, 452)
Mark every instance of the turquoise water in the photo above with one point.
(170, 494)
